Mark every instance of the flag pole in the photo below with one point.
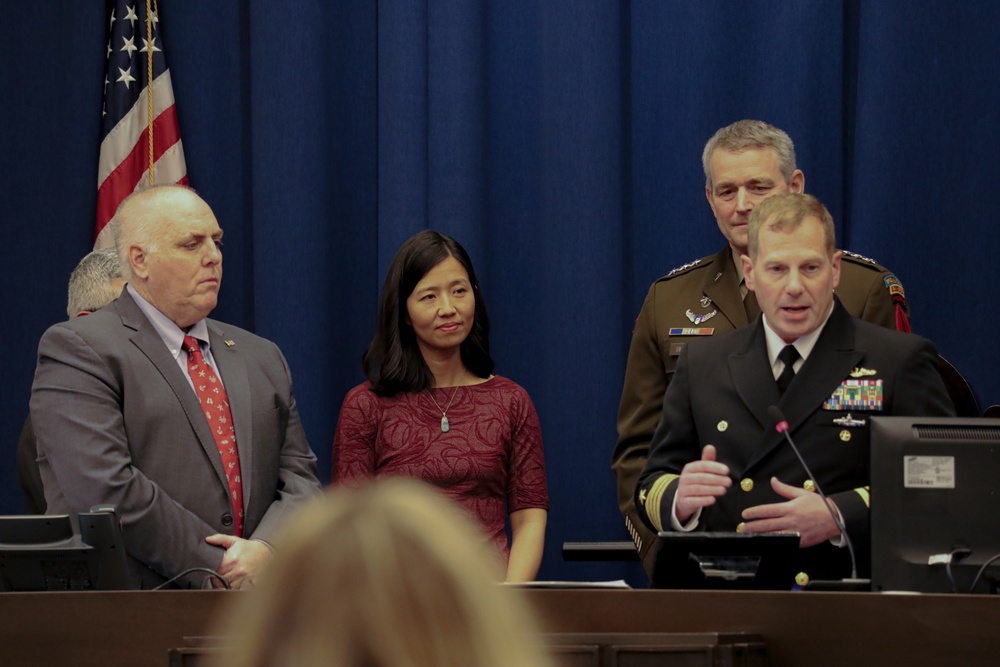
(149, 85)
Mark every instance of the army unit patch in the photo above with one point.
(894, 286)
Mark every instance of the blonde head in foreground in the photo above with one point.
(387, 574)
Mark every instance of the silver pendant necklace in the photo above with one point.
(445, 424)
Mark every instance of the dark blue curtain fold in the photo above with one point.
(559, 141)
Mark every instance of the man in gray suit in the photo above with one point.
(188, 425)
(95, 282)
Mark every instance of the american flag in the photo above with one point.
(124, 162)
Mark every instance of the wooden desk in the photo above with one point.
(113, 629)
(800, 629)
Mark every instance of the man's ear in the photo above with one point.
(835, 262)
(747, 271)
(797, 183)
(138, 259)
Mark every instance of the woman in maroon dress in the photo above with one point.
(432, 409)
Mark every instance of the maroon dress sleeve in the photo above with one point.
(526, 484)
(354, 441)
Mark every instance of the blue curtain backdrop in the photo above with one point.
(560, 141)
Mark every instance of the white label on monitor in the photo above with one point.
(929, 472)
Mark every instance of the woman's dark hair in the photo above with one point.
(393, 362)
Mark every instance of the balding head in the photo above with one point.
(168, 241)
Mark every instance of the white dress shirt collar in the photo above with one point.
(803, 345)
(172, 335)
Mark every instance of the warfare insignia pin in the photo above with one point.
(698, 319)
(862, 372)
(849, 421)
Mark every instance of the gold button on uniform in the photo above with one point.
(802, 579)
(739, 527)
(845, 435)
(746, 484)
(722, 426)
(809, 485)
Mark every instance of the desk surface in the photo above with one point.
(807, 629)
(814, 629)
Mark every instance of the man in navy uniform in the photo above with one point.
(717, 462)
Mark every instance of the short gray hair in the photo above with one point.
(746, 134)
(95, 282)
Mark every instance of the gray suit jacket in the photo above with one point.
(118, 423)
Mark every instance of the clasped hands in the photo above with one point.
(242, 561)
(702, 481)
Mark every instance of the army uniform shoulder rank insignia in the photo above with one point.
(682, 268)
(862, 372)
(860, 258)
(859, 395)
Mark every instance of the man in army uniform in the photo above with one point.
(744, 163)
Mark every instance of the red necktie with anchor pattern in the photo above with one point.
(215, 404)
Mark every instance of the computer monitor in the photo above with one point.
(43, 553)
(935, 497)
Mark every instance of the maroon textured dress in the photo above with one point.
(491, 454)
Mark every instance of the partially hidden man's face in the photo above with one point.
(793, 277)
(740, 181)
(182, 275)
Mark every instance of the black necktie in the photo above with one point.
(789, 355)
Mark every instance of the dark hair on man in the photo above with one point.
(393, 362)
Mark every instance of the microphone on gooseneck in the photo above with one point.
(781, 426)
